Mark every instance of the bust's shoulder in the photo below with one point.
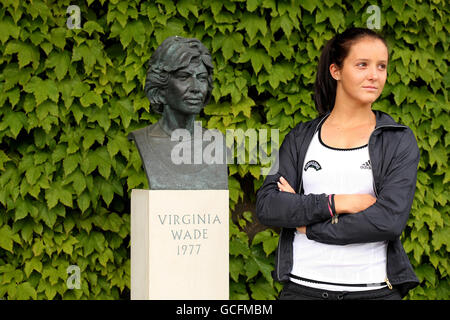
(151, 130)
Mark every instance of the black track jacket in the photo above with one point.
(394, 156)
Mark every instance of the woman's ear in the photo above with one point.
(335, 72)
(162, 96)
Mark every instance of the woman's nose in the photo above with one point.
(373, 73)
(194, 84)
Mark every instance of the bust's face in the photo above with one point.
(187, 89)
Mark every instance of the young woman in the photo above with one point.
(345, 184)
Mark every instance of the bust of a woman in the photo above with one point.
(179, 85)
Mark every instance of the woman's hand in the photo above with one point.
(284, 186)
(301, 229)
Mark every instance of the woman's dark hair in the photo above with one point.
(335, 51)
(173, 54)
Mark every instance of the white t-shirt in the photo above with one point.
(338, 171)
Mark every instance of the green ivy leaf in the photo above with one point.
(186, 6)
(57, 37)
(309, 5)
(252, 24)
(92, 135)
(106, 256)
(427, 272)
(258, 58)
(283, 22)
(9, 29)
(439, 155)
(232, 43)
(238, 291)
(259, 263)
(70, 163)
(83, 52)
(25, 53)
(107, 192)
(118, 143)
(94, 241)
(56, 193)
(23, 208)
(123, 109)
(236, 267)
(25, 291)
(269, 241)
(33, 264)
(38, 247)
(83, 201)
(27, 230)
(48, 215)
(263, 290)
(42, 89)
(91, 26)
(7, 236)
(15, 120)
(98, 158)
(245, 105)
(133, 30)
(90, 98)
(60, 61)
(281, 72)
(3, 159)
(238, 247)
(441, 236)
(68, 245)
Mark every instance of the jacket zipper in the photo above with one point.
(388, 283)
(298, 191)
(373, 180)
(278, 253)
(309, 144)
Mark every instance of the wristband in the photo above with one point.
(333, 207)
(330, 205)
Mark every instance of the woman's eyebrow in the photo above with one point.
(189, 73)
(365, 60)
(182, 72)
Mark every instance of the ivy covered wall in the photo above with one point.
(69, 96)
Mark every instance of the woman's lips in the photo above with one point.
(370, 88)
(193, 100)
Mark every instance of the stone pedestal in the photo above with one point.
(179, 244)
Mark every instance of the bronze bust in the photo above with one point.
(179, 85)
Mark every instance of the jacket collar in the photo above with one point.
(382, 119)
(385, 121)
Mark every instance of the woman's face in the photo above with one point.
(187, 89)
(363, 73)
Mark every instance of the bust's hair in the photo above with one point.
(173, 54)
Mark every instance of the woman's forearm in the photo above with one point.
(352, 203)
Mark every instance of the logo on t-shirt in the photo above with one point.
(366, 165)
(314, 164)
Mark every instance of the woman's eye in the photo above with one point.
(382, 66)
(361, 64)
(182, 76)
